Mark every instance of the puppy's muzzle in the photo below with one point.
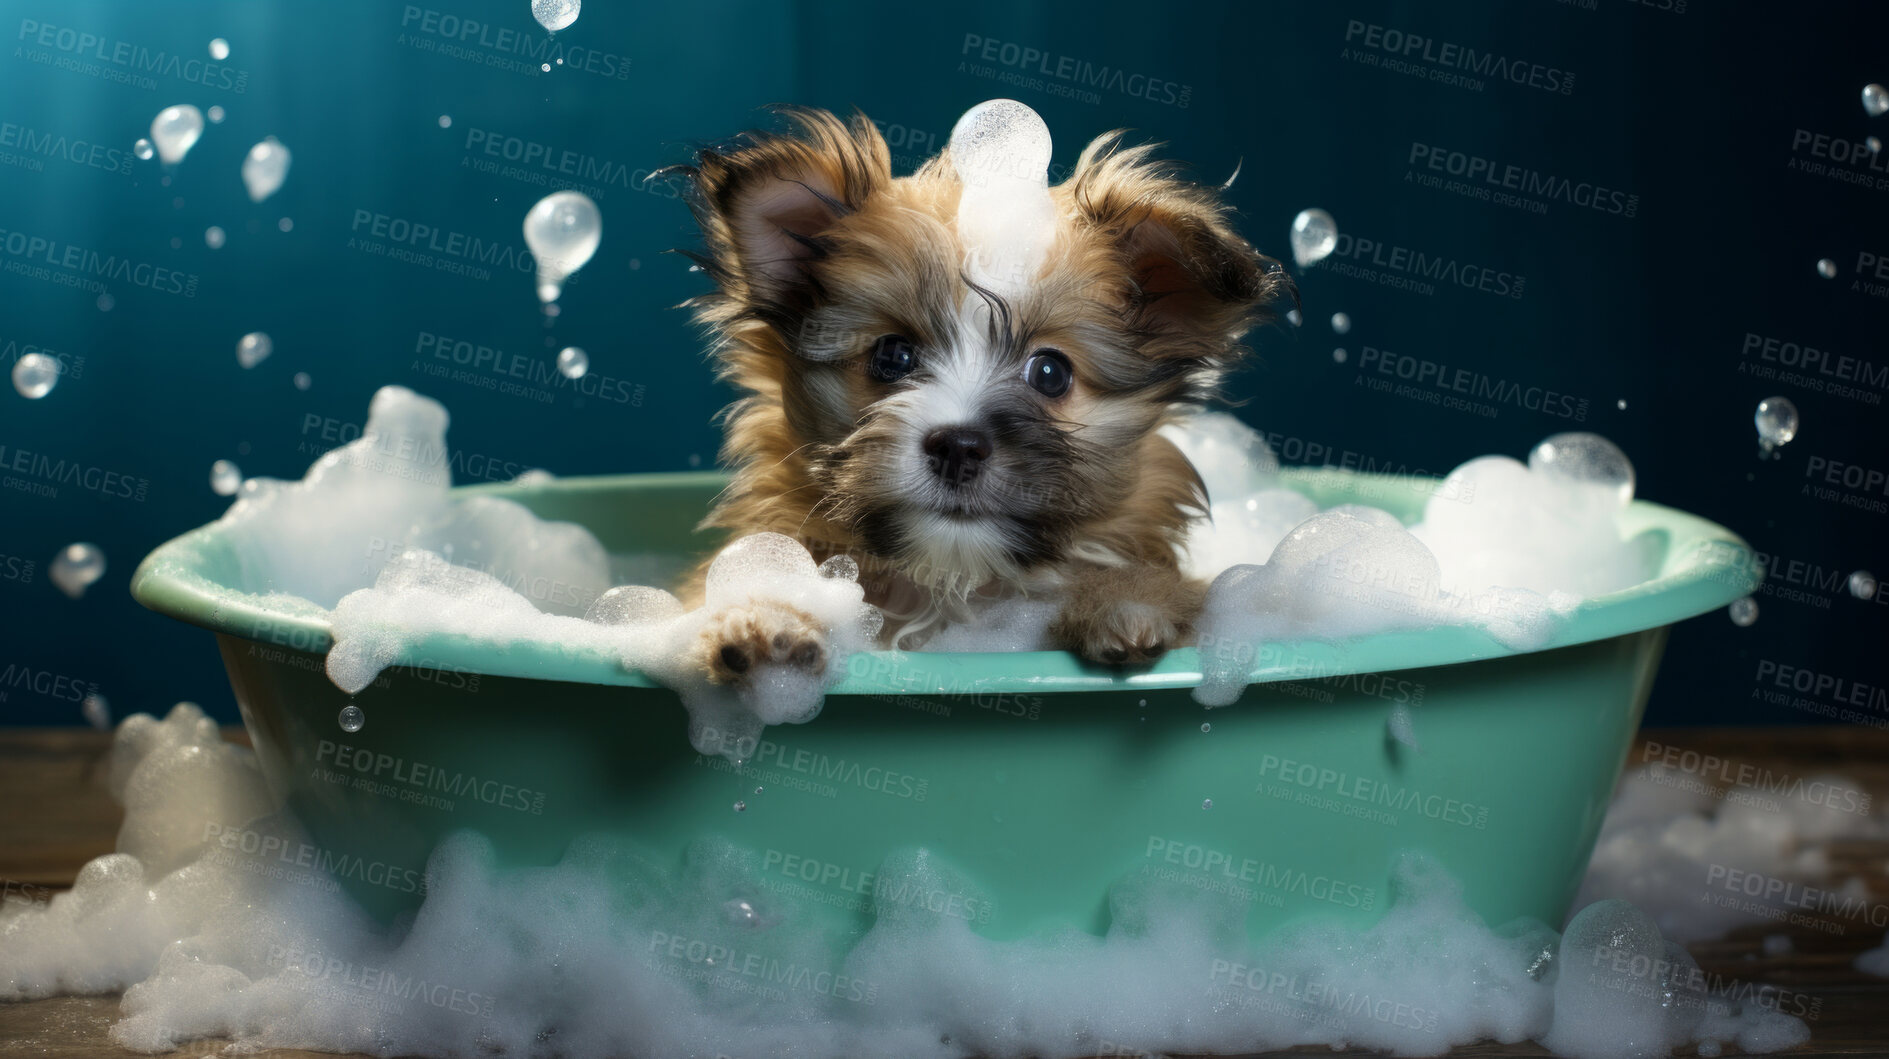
(956, 454)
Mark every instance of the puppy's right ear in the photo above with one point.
(766, 203)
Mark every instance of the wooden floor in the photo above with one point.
(55, 815)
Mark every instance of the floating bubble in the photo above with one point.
(1340, 323)
(1294, 318)
(265, 168)
(573, 362)
(1743, 611)
(1875, 100)
(34, 375)
(741, 807)
(1587, 460)
(302, 380)
(225, 478)
(96, 711)
(563, 231)
(1206, 727)
(445, 121)
(1827, 268)
(555, 15)
(106, 303)
(1863, 584)
(219, 49)
(143, 149)
(1776, 420)
(1874, 145)
(76, 567)
(175, 131)
(1339, 354)
(1206, 803)
(1314, 235)
(352, 719)
(253, 348)
(285, 225)
(544, 67)
(742, 913)
(1621, 404)
(213, 237)
(215, 114)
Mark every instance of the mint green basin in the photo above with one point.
(1038, 781)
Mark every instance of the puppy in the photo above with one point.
(961, 444)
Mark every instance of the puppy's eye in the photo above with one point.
(1049, 372)
(892, 358)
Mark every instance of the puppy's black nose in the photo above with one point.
(956, 453)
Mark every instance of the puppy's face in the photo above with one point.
(964, 433)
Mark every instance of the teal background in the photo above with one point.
(1693, 111)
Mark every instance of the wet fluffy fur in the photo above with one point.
(817, 251)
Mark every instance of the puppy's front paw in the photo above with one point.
(1124, 633)
(739, 640)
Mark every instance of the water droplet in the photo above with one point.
(213, 237)
(741, 807)
(96, 711)
(445, 121)
(1743, 611)
(573, 362)
(1314, 235)
(840, 568)
(1874, 145)
(1206, 727)
(1827, 268)
(219, 49)
(265, 168)
(352, 719)
(175, 131)
(285, 225)
(215, 114)
(1582, 459)
(1863, 584)
(34, 375)
(225, 478)
(1206, 803)
(76, 567)
(1621, 404)
(143, 149)
(1776, 421)
(253, 348)
(1339, 355)
(1340, 323)
(758, 790)
(1294, 317)
(742, 913)
(562, 230)
(302, 381)
(1875, 100)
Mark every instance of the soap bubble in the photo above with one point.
(1863, 584)
(303, 381)
(175, 131)
(1206, 727)
(225, 478)
(573, 362)
(253, 348)
(213, 237)
(34, 375)
(352, 719)
(143, 149)
(265, 168)
(76, 567)
(96, 711)
(215, 114)
(741, 807)
(1339, 355)
(562, 230)
(1001, 139)
(1776, 420)
(445, 121)
(1586, 460)
(1293, 317)
(555, 15)
(1827, 268)
(1314, 235)
(1340, 323)
(1743, 611)
(1006, 219)
(219, 49)
(1621, 404)
(1875, 100)
(1206, 803)
(840, 568)
(633, 605)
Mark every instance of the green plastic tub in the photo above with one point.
(1037, 782)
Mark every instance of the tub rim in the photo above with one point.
(1704, 567)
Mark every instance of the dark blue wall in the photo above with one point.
(1722, 139)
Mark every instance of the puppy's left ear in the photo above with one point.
(765, 204)
(1193, 286)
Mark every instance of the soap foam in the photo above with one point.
(612, 951)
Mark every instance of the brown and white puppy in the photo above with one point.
(958, 444)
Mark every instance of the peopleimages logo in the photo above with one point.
(35, 145)
(501, 47)
(34, 255)
(1415, 270)
(1065, 74)
(1448, 56)
(1484, 174)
